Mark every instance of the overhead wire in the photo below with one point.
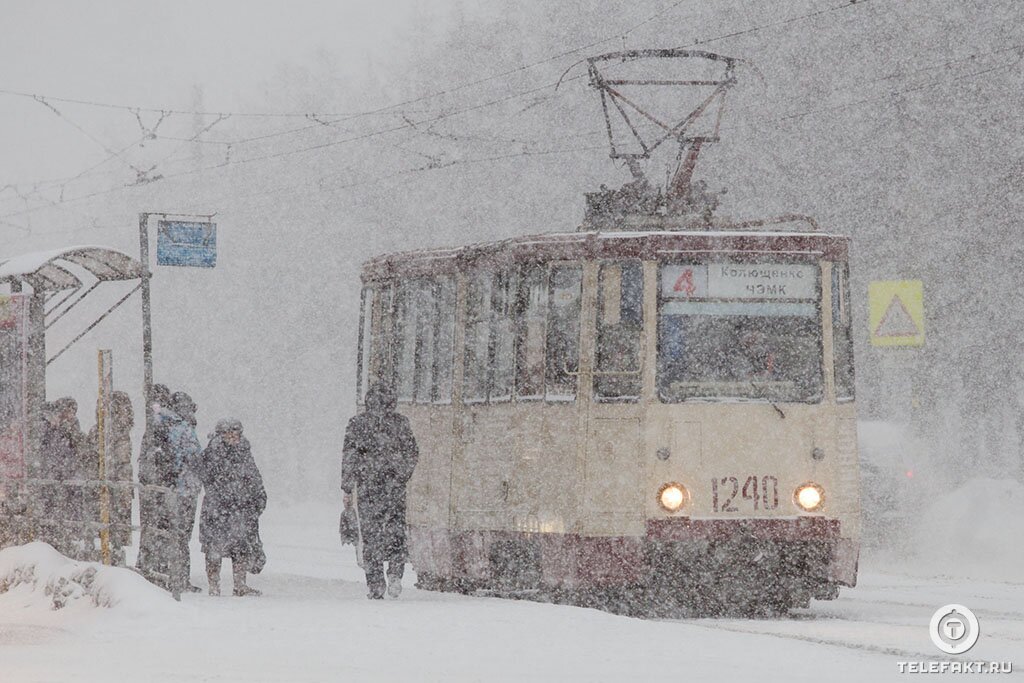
(164, 111)
(43, 101)
(434, 166)
(310, 148)
(142, 176)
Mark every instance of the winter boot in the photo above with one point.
(213, 575)
(375, 583)
(395, 571)
(240, 589)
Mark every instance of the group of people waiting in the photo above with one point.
(72, 499)
(173, 469)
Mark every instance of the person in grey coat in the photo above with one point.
(186, 449)
(380, 455)
(233, 502)
(154, 518)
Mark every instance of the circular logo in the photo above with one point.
(954, 629)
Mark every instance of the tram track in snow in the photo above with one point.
(893, 615)
(710, 624)
(778, 628)
(772, 630)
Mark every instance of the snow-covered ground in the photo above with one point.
(314, 624)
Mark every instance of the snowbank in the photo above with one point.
(37, 575)
(975, 531)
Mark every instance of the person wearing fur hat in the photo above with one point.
(233, 502)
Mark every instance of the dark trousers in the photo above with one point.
(153, 519)
(186, 522)
(167, 520)
(375, 574)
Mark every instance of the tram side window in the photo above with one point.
(476, 360)
(620, 322)
(365, 342)
(375, 362)
(382, 357)
(563, 333)
(444, 343)
(503, 338)
(531, 313)
(842, 332)
(424, 340)
(405, 341)
(425, 324)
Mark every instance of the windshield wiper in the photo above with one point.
(761, 394)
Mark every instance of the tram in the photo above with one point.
(660, 401)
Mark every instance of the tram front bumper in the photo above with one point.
(800, 552)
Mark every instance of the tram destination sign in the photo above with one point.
(739, 281)
(188, 244)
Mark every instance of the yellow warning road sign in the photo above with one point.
(896, 312)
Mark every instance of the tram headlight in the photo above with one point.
(809, 496)
(672, 496)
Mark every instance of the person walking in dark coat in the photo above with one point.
(233, 502)
(379, 458)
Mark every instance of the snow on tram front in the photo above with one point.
(658, 405)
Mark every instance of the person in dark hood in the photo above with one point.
(62, 446)
(154, 506)
(232, 505)
(380, 455)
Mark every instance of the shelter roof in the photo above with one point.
(49, 270)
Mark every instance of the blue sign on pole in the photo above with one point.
(186, 244)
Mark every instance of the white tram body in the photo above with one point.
(601, 410)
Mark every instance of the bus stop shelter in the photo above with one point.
(42, 288)
(36, 291)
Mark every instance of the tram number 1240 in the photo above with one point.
(760, 493)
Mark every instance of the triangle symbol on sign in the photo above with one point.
(896, 322)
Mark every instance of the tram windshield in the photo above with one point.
(748, 331)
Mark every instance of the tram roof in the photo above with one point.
(654, 244)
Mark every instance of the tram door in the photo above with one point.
(520, 416)
(612, 461)
(482, 486)
(548, 394)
